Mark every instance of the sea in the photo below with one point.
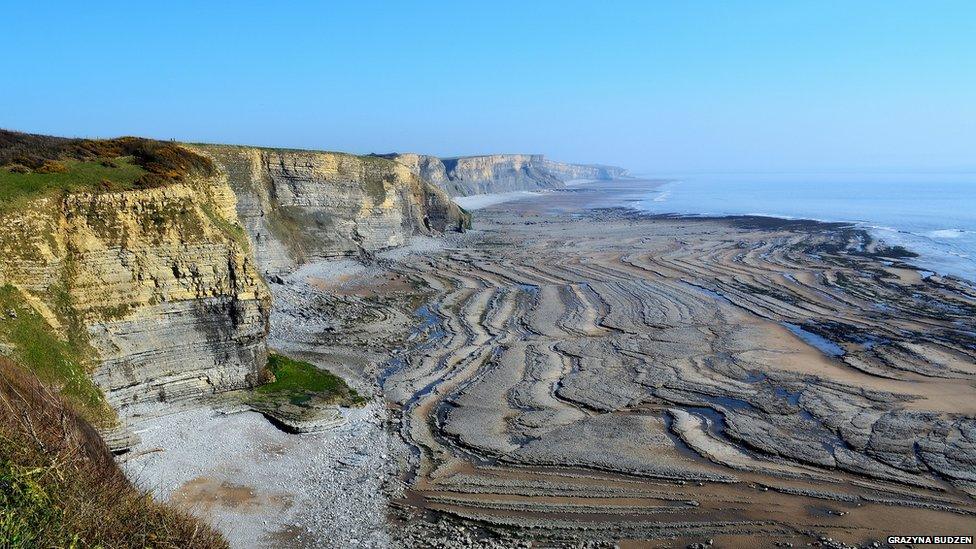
(934, 215)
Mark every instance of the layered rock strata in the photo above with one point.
(160, 282)
(164, 282)
(303, 206)
(500, 172)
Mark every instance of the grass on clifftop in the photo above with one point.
(36, 165)
(118, 174)
(60, 485)
(300, 382)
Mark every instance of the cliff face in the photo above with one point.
(159, 283)
(500, 172)
(154, 293)
(567, 172)
(299, 206)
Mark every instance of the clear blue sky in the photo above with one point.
(653, 86)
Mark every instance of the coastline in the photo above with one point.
(947, 247)
(479, 201)
(565, 331)
(870, 245)
(576, 362)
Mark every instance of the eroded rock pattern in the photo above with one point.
(608, 376)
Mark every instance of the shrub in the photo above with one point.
(52, 166)
(300, 381)
(165, 162)
(60, 485)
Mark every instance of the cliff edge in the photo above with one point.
(150, 291)
(131, 269)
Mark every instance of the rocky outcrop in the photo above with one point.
(159, 283)
(301, 206)
(500, 172)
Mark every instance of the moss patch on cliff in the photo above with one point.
(377, 173)
(232, 230)
(27, 338)
(300, 382)
(287, 224)
(61, 487)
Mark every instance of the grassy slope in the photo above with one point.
(60, 486)
(56, 360)
(36, 165)
(117, 174)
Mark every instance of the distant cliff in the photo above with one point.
(299, 206)
(567, 172)
(500, 172)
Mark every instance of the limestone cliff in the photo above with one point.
(147, 286)
(567, 172)
(299, 206)
(159, 283)
(500, 172)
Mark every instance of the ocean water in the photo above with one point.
(933, 215)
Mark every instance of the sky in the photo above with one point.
(657, 87)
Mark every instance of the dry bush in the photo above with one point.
(28, 149)
(52, 166)
(166, 162)
(60, 485)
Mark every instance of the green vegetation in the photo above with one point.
(32, 165)
(300, 383)
(285, 224)
(376, 187)
(33, 343)
(118, 174)
(61, 487)
(377, 173)
(234, 231)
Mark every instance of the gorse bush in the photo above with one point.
(52, 166)
(86, 163)
(61, 487)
